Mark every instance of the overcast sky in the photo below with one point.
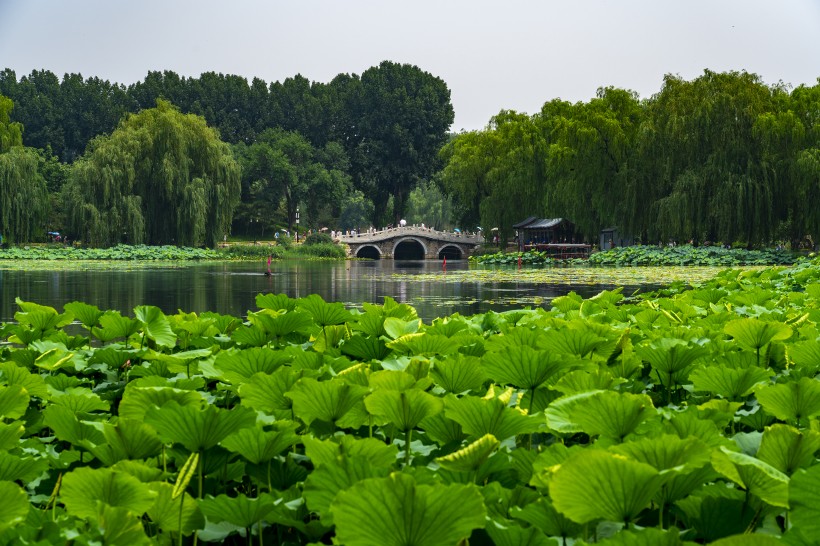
(510, 54)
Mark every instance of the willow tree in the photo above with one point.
(23, 196)
(161, 177)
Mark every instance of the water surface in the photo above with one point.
(231, 287)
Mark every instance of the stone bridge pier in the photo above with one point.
(411, 243)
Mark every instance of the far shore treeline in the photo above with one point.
(189, 161)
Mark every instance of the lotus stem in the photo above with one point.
(181, 501)
(408, 435)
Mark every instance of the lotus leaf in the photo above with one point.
(433, 515)
(595, 484)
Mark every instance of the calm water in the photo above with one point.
(231, 288)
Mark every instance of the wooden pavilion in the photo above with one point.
(556, 236)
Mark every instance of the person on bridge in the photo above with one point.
(402, 222)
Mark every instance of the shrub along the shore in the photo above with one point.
(652, 255)
(606, 420)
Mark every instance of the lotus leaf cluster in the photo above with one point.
(689, 417)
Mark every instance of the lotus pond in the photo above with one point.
(683, 419)
(230, 287)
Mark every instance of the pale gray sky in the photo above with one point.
(511, 54)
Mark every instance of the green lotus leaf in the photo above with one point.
(239, 365)
(120, 527)
(323, 313)
(191, 324)
(543, 515)
(155, 325)
(33, 384)
(671, 359)
(755, 333)
(804, 498)
(266, 393)
(14, 504)
(327, 452)
(645, 537)
(54, 359)
(731, 383)
(165, 512)
(612, 415)
(667, 453)
(365, 347)
(480, 416)
(281, 323)
(114, 325)
(80, 400)
(522, 367)
(371, 324)
(805, 354)
(14, 468)
(442, 430)
(469, 458)
(258, 445)
(224, 324)
(753, 475)
(41, 318)
(560, 413)
(326, 482)
(68, 428)
(595, 484)
(10, 434)
(88, 315)
(512, 534)
(198, 428)
(327, 401)
(424, 344)
(133, 438)
(83, 488)
(275, 302)
(393, 380)
(792, 401)
(137, 400)
(115, 359)
(458, 374)
(396, 327)
(788, 449)
(251, 336)
(405, 409)
(748, 540)
(240, 510)
(396, 511)
(572, 341)
(584, 380)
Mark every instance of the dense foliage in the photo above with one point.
(23, 197)
(118, 252)
(687, 417)
(381, 130)
(651, 255)
(720, 158)
(161, 177)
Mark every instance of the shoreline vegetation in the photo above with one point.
(290, 425)
(230, 251)
(649, 255)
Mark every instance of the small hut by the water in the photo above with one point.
(554, 235)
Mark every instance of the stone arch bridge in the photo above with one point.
(411, 243)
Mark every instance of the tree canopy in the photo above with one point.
(162, 177)
(23, 196)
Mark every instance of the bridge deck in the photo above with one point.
(411, 231)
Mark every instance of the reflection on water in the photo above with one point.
(231, 287)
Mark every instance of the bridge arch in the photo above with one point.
(371, 252)
(451, 252)
(409, 248)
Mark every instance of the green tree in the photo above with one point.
(161, 177)
(23, 196)
(283, 168)
(428, 205)
(397, 120)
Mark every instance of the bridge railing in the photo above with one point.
(387, 233)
